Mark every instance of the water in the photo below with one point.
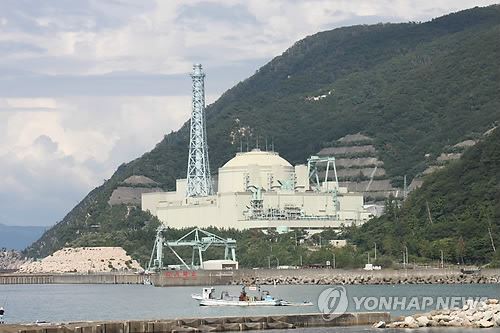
(63, 303)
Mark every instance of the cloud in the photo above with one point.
(50, 158)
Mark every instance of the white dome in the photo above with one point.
(257, 157)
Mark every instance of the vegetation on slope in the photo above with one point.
(414, 88)
(457, 211)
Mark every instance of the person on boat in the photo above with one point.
(243, 295)
(2, 311)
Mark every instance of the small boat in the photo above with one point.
(207, 298)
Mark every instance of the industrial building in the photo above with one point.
(254, 190)
(260, 189)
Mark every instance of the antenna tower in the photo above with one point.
(199, 183)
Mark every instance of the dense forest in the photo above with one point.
(413, 87)
(457, 211)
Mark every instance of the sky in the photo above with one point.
(87, 85)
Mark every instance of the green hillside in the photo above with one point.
(464, 209)
(414, 88)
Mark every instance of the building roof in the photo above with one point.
(257, 157)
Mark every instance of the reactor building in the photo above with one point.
(254, 190)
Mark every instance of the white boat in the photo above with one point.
(207, 298)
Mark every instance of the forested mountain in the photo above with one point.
(457, 211)
(414, 88)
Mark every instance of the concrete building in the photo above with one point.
(259, 189)
(220, 265)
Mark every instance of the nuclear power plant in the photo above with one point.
(255, 189)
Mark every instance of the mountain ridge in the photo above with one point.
(397, 83)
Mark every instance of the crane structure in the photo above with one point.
(199, 183)
(199, 240)
(312, 170)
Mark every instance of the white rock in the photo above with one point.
(396, 324)
(492, 301)
(485, 323)
(83, 260)
(442, 317)
(488, 315)
(409, 320)
(422, 321)
(433, 323)
(455, 322)
(477, 316)
(496, 319)
(466, 323)
(380, 324)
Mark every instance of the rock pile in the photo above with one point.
(83, 260)
(388, 278)
(474, 314)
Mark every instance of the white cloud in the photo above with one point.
(166, 36)
(74, 146)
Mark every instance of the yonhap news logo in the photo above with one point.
(333, 302)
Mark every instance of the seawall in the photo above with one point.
(218, 324)
(359, 276)
(264, 276)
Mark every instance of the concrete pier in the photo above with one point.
(218, 324)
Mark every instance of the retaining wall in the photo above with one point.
(218, 324)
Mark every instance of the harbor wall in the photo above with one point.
(216, 324)
(263, 276)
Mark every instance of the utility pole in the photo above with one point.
(334, 264)
(405, 191)
(375, 259)
(442, 259)
(491, 239)
(406, 250)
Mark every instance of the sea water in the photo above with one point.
(64, 303)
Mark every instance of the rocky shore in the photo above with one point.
(328, 277)
(484, 314)
(11, 260)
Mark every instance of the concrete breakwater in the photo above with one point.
(353, 277)
(264, 276)
(163, 279)
(219, 324)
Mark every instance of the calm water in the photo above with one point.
(62, 303)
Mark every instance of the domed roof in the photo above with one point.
(257, 157)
